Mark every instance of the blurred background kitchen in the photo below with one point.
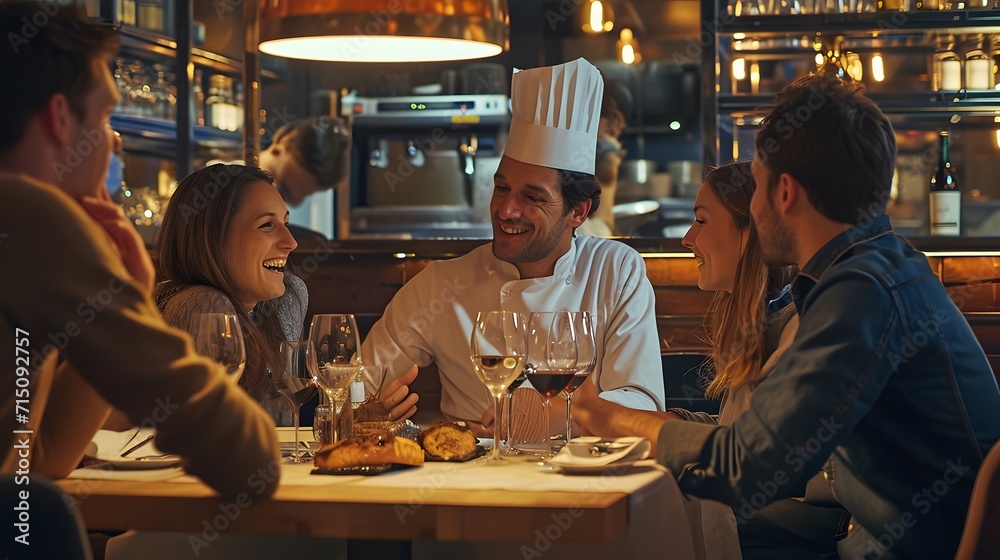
(687, 76)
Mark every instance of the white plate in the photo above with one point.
(126, 463)
(618, 467)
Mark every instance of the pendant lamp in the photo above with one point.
(384, 30)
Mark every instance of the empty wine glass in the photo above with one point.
(497, 350)
(335, 337)
(297, 381)
(586, 354)
(552, 359)
(218, 336)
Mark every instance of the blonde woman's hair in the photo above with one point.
(737, 321)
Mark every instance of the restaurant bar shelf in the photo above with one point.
(957, 21)
(985, 103)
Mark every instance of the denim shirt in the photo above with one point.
(886, 380)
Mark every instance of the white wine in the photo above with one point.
(496, 372)
(337, 378)
(945, 196)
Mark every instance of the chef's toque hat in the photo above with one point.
(556, 112)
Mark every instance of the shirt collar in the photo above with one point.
(781, 301)
(564, 268)
(832, 251)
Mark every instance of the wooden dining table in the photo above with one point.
(513, 510)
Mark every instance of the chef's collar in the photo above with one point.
(564, 268)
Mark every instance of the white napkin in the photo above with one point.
(107, 445)
(595, 451)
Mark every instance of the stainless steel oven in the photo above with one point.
(422, 166)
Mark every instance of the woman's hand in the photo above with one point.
(397, 398)
(130, 246)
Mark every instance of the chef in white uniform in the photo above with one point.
(544, 188)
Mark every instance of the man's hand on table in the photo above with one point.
(397, 398)
(604, 418)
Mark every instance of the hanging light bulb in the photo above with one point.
(739, 69)
(628, 47)
(754, 77)
(598, 17)
(878, 69)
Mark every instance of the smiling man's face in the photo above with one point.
(531, 228)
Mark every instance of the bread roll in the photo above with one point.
(448, 441)
(376, 449)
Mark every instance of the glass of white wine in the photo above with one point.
(218, 336)
(498, 349)
(336, 340)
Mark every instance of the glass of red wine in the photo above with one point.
(586, 360)
(297, 381)
(552, 359)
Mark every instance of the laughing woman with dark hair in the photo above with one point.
(222, 248)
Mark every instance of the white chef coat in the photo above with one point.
(431, 317)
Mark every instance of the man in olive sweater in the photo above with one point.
(79, 330)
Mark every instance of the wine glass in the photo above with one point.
(218, 336)
(498, 352)
(586, 354)
(297, 380)
(335, 337)
(552, 359)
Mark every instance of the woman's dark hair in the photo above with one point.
(191, 244)
(578, 187)
(738, 320)
(59, 57)
(320, 145)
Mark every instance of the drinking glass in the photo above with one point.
(586, 355)
(335, 338)
(498, 352)
(218, 336)
(297, 381)
(506, 408)
(552, 359)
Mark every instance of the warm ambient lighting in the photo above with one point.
(878, 70)
(998, 138)
(754, 77)
(628, 47)
(352, 31)
(739, 69)
(598, 17)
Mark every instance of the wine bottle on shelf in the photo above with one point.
(945, 196)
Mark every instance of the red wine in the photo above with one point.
(575, 383)
(550, 382)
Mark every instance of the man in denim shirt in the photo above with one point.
(885, 386)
